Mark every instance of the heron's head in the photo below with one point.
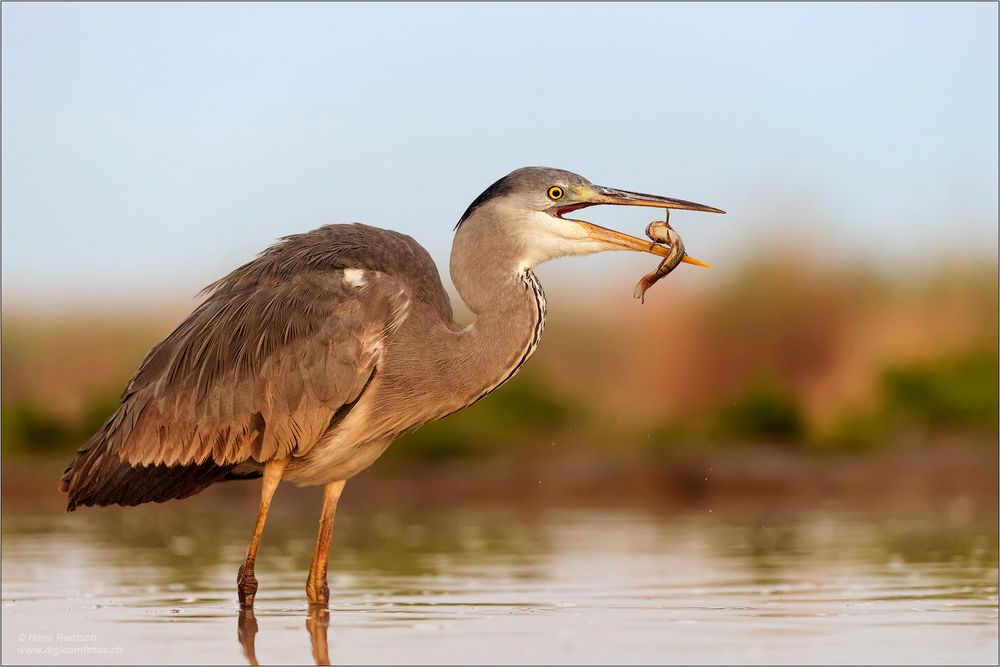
(530, 206)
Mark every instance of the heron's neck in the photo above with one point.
(500, 340)
(509, 308)
(434, 366)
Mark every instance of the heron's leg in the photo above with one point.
(316, 589)
(246, 583)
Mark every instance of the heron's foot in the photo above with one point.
(318, 593)
(246, 585)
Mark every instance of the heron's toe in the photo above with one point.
(319, 595)
(246, 585)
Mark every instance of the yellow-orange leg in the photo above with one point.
(246, 582)
(316, 589)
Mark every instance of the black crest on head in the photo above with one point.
(498, 189)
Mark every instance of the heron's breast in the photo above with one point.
(344, 451)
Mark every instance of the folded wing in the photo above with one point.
(254, 374)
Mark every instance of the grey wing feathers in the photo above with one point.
(259, 369)
(252, 375)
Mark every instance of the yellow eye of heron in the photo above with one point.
(555, 192)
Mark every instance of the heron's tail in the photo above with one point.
(99, 476)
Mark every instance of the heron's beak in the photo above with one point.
(601, 195)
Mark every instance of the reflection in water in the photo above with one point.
(246, 632)
(154, 584)
(317, 624)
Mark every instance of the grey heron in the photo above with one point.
(305, 363)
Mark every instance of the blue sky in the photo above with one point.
(149, 148)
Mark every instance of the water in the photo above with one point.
(156, 585)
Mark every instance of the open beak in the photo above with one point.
(612, 196)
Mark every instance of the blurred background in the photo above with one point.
(840, 356)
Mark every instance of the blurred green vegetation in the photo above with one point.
(764, 410)
(523, 410)
(30, 427)
(955, 392)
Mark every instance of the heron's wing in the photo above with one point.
(255, 373)
(282, 347)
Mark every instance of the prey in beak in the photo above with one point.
(594, 195)
(661, 232)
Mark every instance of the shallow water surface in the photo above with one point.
(157, 585)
